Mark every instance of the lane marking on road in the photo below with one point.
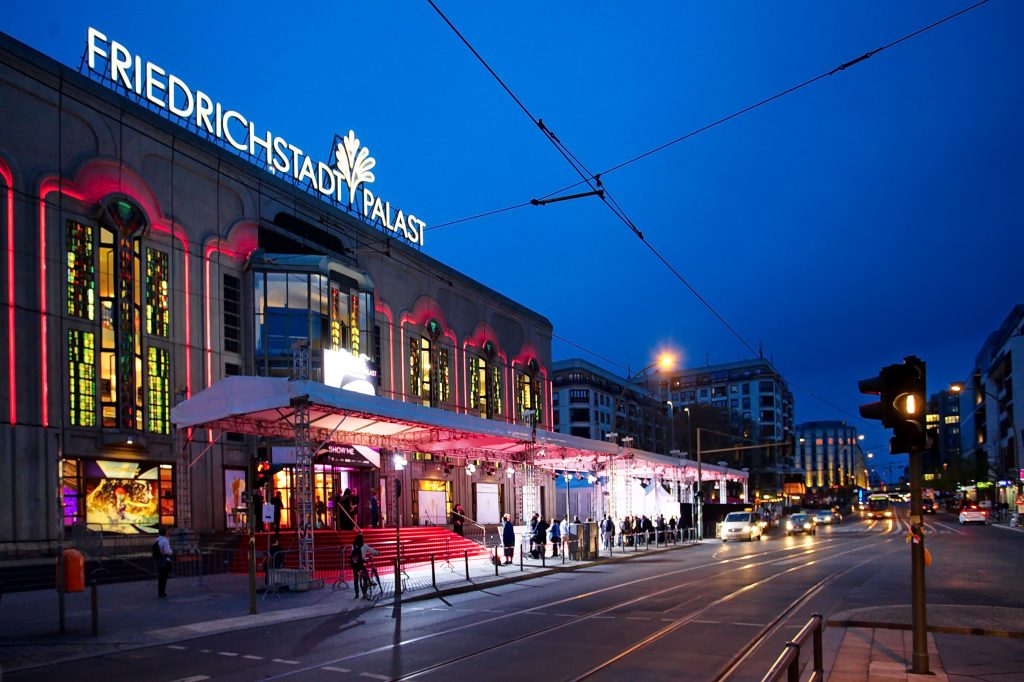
(951, 529)
(205, 651)
(375, 676)
(253, 658)
(636, 618)
(194, 678)
(226, 653)
(749, 625)
(335, 669)
(564, 615)
(704, 622)
(286, 661)
(603, 617)
(177, 647)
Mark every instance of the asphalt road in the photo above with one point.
(684, 614)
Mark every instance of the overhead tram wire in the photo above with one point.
(590, 178)
(725, 119)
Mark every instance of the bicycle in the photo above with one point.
(369, 581)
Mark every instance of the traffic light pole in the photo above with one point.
(251, 531)
(919, 663)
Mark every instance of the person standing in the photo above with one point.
(540, 537)
(321, 513)
(458, 519)
(336, 511)
(556, 536)
(278, 506)
(345, 521)
(163, 568)
(374, 510)
(257, 512)
(564, 529)
(508, 539)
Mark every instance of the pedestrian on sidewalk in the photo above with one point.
(540, 538)
(672, 526)
(565, 530)
(556, 536)
(533, 529)
(508, 539)
(163, 562)
(278, 506)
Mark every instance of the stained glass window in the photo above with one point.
(157, 376)
(337, 323)
(82, 377)
(81, 271)
(353, 322)
(157, 284)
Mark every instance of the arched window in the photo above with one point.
(428, 366)
(530, 394)
(121, 290)
(485, 382)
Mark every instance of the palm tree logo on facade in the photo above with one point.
(354, 164)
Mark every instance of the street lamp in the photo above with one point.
(665, 361)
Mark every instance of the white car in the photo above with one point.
(972, 513)
(742, 526)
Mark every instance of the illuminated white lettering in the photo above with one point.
(204, 107)
(307, 173)
(255, 140)
(296, 153)
(387, 216)
(228, 117)
(153, 73)
(218, 120)
(417, 226)
(378, 212)
(137, 71)
(281, 164)
(324, 176)
(94, 50)
(367, 202)
(339, 183)
(175, 84)
(120, 60)
(400, 224)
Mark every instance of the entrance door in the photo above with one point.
(488, 507)
(432, 507)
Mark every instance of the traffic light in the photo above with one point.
(262, 471)
(909, 401)
(901, 405)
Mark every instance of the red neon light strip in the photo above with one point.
(12, 364)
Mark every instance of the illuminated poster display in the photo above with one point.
(234, 486)
(122, 497)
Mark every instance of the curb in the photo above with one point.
(944, 629)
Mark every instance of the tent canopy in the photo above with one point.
(265, 406)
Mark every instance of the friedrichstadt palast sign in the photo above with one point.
(352, 167)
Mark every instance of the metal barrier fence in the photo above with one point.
(788, 663)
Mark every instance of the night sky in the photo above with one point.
(873, 214)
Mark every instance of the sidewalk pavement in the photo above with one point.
(965, 642)
(131, 615)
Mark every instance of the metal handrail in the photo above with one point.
(483, 529)
(788, 662)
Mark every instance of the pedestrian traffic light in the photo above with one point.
(901, 405)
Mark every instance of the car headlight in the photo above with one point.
(789, 525)
(807, 525)
(746, 529)
(888, 514)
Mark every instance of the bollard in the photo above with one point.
(521, 569)
(496, 560)
(543, 556)
(433, 574)
(95, 610)
(466, 555)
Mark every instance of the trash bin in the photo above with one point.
(74, 571)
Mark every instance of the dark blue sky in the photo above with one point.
(874, 214)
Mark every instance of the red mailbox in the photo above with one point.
(74, 571)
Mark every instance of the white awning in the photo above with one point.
(265, 406)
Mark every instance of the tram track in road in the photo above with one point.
(695, 615)
(769, 630)
(744, 562)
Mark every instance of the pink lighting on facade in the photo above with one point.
(383, 309)
(8, 177)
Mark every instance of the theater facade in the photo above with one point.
(155, 243)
